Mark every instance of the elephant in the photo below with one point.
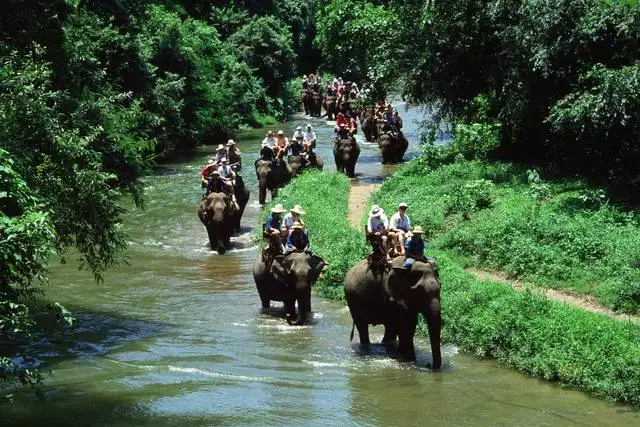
(242, 197)
(305, 99)
(392, 145)
(330, 106)
(271, 175)
(370, 127)
(296, 164)
(345, 154)
(394, 296)
(316, 104)
(315, 161)
(288, 279)
(217, 212)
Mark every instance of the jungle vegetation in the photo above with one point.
(91, 93)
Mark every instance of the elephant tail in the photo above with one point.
(353, 327)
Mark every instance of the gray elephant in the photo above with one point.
(217, 211)
(296, 164)
(305, 99)
(345, 154)
(315, 161)
(288, 278)
(271, 174)
(393, 296)
(316, 103)
(330, 106)
(392, 145)
(369, 126)
(242, 197)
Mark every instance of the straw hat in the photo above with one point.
(417, 230)
(278, 208)
(309, 127)
(280, 132)
(269, 132)
(297, 209)
(297, 226)
(299, 128)
(403, 205)
(375, 212)
(220, 147)
(210, 162)
(231, 142)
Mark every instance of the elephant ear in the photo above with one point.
(281, 269)
(318, 265)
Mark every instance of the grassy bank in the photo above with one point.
(524, 330)
(561, 235)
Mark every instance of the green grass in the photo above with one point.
(485, 214)
(523, 330)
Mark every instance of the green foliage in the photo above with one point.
(359, 40)
(537, 188)
(265, 45)
(558, 242)
(474, 196)
(324, 197)
(560, 78)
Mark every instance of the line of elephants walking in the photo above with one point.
(378, 291)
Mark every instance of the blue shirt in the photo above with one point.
(414, 246)
(273, 223)
(297, 241)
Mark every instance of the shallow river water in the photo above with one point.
(177, 338)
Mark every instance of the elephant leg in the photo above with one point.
(262, 195)
(363, 333)
(434, 322)
(304, 306)
(406, 333)
(390, 334)
(290, 310)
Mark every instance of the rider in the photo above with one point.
(387, 127)
(269, 140)
(220, 154)
(227, 176)
(414, 248)
(377, 225)
(205, 172)
(215, 184)
(232, 149)
(399, 225)
(281, 145)
(343, 132)
(291, 218)
(298, 239)
(309, 138)
(296, 144)
(340, 119)
(353, 126)
(273, 226)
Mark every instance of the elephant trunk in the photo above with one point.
(262, 194)
(303, 296)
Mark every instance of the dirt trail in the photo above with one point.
(359, 202)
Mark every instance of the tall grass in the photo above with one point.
(489, 215)
(324, 197)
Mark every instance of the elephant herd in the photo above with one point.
(392, 144)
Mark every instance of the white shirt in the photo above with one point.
(377, 224)
(400, 223)
(298, 135)
(309, 136)
(269, 141)
(288, 221)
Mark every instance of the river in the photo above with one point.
(177, 338)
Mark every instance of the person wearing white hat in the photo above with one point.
(298, 239)
(296, 142)
(378, 225)
(273, 226)
(221, 152)
(298, 135)
(399, 226)
(309, 138)
(269, 140)
(293, 216)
